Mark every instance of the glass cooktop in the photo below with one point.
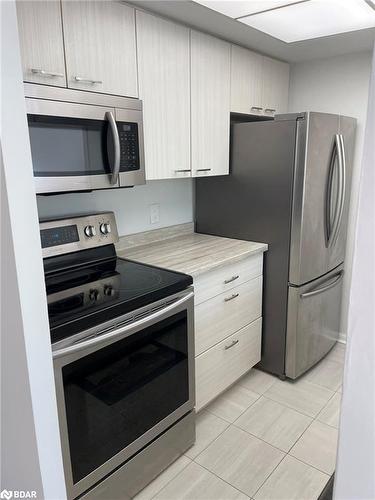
(82, 297)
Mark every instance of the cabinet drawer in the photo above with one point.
(220, 366)
(217, 318)
(224, 278)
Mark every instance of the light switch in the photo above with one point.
(154, 213)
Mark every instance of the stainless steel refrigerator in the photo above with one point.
(289, 186)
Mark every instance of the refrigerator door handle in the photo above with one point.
(342, 185)
(338, 277)
(331, 227)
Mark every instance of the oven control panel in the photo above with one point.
(61, 236)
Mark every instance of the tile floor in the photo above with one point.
(263, 439)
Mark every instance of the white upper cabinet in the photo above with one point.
(164, 87)
(100, 47)
(259, 84)
(210, 105)
(275, 86)
(246, 81)
(41, 42)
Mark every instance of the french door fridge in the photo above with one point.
(289, 186)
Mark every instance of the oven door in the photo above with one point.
(120, 388)
(73, 146)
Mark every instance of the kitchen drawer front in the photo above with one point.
(217, 318)
(220, 280)
(220, 366)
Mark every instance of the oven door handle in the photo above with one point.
(122, 331)
(116, 141)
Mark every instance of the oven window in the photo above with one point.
(116, 394)
(68, 146)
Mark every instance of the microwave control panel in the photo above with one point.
(129, 146)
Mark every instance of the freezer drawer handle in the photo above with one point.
(324, 288)
(232, 344)
(233, 278)
(233, 296)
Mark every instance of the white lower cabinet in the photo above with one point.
(228, 319)
(220, 316)
(219, 367)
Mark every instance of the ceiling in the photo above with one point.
(215, 23)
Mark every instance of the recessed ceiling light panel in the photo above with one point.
(313, 19)
(239, 8)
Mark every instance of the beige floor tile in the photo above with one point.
(330, 414)
(301, 395)
(197, 483)
(293, 480)
(232, 403)
(327, 374)
(208, 427)
(257, 381)
(167, 475)
(337, 354)
(274, 423)
(317, 447)
(240, 459)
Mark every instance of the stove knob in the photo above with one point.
(90, 231)
(109, 291)
(94, 295)
(105, 228)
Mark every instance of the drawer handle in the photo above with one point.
(256, 108)
(233, 278)
(232, 344)
(86, 80)
(233, 296)
(270, 110)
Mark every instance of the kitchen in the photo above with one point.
(148, 94)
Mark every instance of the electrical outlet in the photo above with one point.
(154, 213)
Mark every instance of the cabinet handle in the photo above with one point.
(256, 108)
(232, 344)
(270, 110)
(233, 296)
(42, 72)
(86, 80)
(233, 278)
(183, 170)
(203, 169)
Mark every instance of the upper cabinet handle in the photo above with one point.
(233, 278)
(183, 170)
(256, 108)
(86, 80)
(42, 72)
(233, 296)
(270, 110)
(203, 169)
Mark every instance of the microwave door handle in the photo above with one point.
(122, 331)
(115, 168)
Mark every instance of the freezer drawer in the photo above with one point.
(313, 321)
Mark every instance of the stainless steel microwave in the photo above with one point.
(81, 141)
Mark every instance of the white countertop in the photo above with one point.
(180, 249)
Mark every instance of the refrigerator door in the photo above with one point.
(321, 196)
(313, 321)
(337, 240)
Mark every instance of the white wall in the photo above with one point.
(337, 85)
(30, 447)
(355, 477)
(131, 206)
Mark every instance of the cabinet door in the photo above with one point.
(41, 42)
(100, 47)
(210, 105)
(246, 81)
(275, 86)
(164, 87)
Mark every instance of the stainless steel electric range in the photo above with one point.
(123, 350)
